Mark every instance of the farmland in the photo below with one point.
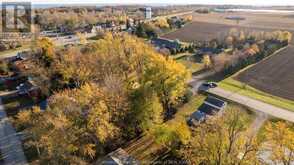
(274, 75)
(210, 26)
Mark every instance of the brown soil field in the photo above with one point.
(209, 26)
(274, 75)
(202, 31)
(254, 20)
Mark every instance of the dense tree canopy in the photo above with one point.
(100, 96)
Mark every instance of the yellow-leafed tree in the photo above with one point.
(280, 142)
(207, 61)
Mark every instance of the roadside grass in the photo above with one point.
(238, 87)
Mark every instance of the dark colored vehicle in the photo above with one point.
(209, 85)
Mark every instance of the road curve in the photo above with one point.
(254, 104)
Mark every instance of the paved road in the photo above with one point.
(10, 144)
(198, 80)
(59, 41)
(171, 15)
(254, 104)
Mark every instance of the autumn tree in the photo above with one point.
(172, 136)
(46, 50)
(162, 23)
(222, 140)
(82, 38)
(280, 142)
(100, 96)
(147, 109)
(207, 61)
(78, 124)
(167, 78)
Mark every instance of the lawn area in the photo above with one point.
(238, 87)
(189, 61)
(187, 109)
(192, 66)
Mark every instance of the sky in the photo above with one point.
(235, 2)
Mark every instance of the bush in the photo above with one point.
(4, 69)
(188, 96)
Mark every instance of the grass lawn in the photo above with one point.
(187, 109)
(238, 87)
(180, 55)
(187, 60)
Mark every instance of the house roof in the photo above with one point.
(208, 109)
(197, 115)
(163, 43)
(215, 102)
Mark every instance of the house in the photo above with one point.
(165, 43)
(211, 106)
(215, 102)
(118, 157)
(196, 118)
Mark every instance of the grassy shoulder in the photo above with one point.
(233, 85)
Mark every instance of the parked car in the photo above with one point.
(210, 84)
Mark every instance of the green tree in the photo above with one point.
(167, 78)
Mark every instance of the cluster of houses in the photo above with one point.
(129, 26)
(212, 106)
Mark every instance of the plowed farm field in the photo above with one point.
(203, 31)
(274, 75)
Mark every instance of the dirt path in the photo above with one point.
(10, 144)
(253, 104)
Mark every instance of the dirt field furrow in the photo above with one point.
(274, 75)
